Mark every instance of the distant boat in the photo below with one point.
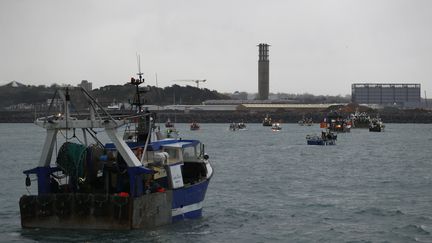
(168, 123)
(360, 119)
(326, 138)
(267, 122)
(305, 122)
(276, 127)
(241, 126)
(335, 122)
(194, 126)
(171, 132)
(376, 125)
(233, 126)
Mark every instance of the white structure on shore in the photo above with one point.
(86, 85)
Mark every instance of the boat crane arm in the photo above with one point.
(123, 148)
(48, 147)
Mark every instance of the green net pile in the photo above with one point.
(71, 158)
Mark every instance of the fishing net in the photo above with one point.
(71, 158)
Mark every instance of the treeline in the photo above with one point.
(157, 96)
(28, 94)
(106, 95)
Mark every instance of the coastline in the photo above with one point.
(288, 116)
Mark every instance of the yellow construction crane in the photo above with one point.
(197, 81)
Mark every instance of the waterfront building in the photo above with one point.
(404, 94)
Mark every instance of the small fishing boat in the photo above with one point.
(233, 126)
(276, 127)
(335, 122)
(267, 122)
(237, 126)
(326, 138)
(194, 126)
(376, 125)
(171, 132)
(305, 122)
(241, 126)
(142, 181)
(168, 123)
(360, 119)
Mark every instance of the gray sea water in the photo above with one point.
(270, 187)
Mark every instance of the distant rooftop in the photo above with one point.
(289, 106)
(239, 102)
(14, 84)
(386, 85)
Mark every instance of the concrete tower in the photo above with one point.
(263, 71)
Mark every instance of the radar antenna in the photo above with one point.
(137, 82)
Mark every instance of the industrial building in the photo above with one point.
(407, 95)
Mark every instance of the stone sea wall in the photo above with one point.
(285, 116)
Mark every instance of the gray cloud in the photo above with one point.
(320, 47)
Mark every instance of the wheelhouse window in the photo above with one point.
(190, 153)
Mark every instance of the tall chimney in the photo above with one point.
(263, 71)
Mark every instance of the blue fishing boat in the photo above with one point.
(326, 138)
(138, 179)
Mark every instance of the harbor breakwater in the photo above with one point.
(288, 116)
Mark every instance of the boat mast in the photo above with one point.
(137, 82)
(142, 130)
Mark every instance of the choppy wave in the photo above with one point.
(273, 188)
(379, 212)
(413, 229)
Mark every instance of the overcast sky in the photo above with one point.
(318, 47)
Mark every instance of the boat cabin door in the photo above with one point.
(174, 166)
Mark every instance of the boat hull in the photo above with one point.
(100, 211)
(187, 201)
(376, 129)
(321, 142)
